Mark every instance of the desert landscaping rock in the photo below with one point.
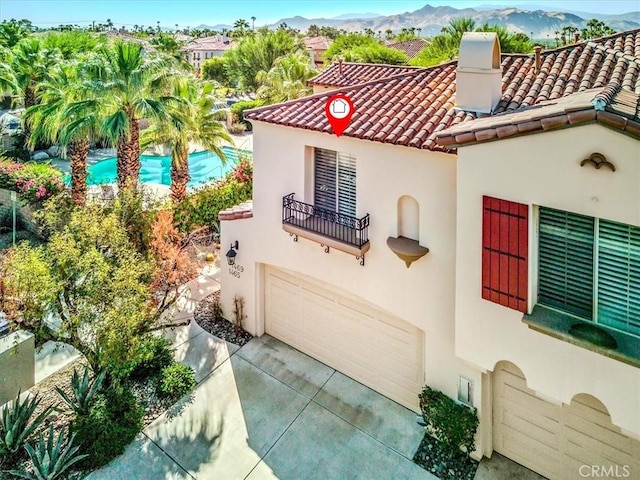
(219, 327)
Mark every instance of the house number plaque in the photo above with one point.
(236, 270)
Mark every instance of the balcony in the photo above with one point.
(328, 228)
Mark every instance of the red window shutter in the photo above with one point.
(505, 252)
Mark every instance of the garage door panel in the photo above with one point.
(555, 440)
(377, 349)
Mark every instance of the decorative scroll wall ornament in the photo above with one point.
(598, 160)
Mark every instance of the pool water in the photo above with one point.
(203, 167)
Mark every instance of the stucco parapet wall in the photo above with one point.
(243, 210)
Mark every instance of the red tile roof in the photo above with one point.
(611, 106)
(409, 107)
(243, 210)
(411, 47)
(317, 43)
(208, 44)
(354, 73)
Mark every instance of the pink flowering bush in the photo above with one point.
(34, 182)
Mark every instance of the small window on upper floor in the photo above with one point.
(335, 181)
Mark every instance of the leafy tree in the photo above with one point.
(375, 54)
(287, 79)
(12, 31)
(197, 123)
(407, 34)
(257, 53)
(509, 42)
(347, 42)
(215, 69)
(131, 85)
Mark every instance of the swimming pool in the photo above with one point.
(203, 166)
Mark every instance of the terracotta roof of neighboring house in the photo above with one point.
(354, 73)
(317, 43)
(411, 47)
(610, 106)
(208, 44)
(410, 107)
(244, 210)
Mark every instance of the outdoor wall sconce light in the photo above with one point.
(231, 254)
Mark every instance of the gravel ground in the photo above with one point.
(218, 326)
(434, 459)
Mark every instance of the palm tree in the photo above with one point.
(253, 23)
(109, 24)
(25, 66)
(131, 85)
(240, 27)
(197, 124)
(70, 117)
(287, 79)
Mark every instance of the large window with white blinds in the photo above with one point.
(590, 268)
(335, 181)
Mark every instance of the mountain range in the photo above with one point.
(538, 24)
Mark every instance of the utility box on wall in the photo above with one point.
(17, 364)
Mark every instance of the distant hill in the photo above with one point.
(350, 16)
(430, 20)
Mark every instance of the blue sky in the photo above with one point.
(211, 12)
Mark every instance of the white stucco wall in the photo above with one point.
(422, 295)
(544, 169)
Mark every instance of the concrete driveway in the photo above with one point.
(267, 411)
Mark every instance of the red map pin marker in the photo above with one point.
(339, 110)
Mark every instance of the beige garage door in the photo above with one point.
(371, 346)
(560, 442)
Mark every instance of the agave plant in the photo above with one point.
(84, 392)
(17, 424)
(51, 458)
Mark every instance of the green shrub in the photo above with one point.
(152, 355)
(111, 425)
(215, 69)
(452, 423)
(34, 182)
(238, 108)
(201, 208)
(237, 128)
(51, 458)
(176, 380)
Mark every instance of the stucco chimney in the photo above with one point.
(576, 37)
(479, 73)
(538, 49)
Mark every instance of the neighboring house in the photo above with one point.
(344, 74)
(399, 261)
(316, 47)
(200, 49)
(411, 48)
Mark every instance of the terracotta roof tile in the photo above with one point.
(317, 43)
(412, 105)
(411, 48)
(354, 73)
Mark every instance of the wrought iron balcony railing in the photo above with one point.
(331, 229)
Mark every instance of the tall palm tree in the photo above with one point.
(253, 23)
(26, 65)
(70, 117)
(196, 124)
(287, 79)
(240, 27)
(131, 85)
